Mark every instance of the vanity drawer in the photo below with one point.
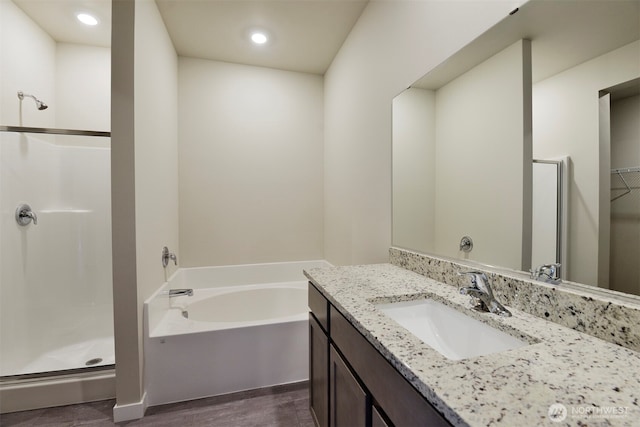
(319, 307)
(402, 403)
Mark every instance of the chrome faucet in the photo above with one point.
(166, 256)
(24, 215)
(547, 273)
(180, 292)
(481, 294)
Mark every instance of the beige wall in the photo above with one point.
(459, 156)
(156, 147)
(392, 44)
(480, 159)
(414, 170)
(565, 117)
(144, 178)
(250, 164)
(83, 83)
(123, 205)
(25, 51)
(73, 80)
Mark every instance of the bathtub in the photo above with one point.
(245, 327)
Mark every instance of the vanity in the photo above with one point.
(367, 370)
(352, 384)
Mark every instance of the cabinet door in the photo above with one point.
(377, 419)
(400, 401)
(348, 401)
(318, 373)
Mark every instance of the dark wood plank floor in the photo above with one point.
(281, 406)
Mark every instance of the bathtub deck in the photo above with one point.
(285, 406)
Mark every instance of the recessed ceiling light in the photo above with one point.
(87, 19)
(259, 38)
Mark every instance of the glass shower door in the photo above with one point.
(56, 303)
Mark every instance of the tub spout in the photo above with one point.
(180, 292)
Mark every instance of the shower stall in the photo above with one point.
(56, 304)
(56, 290)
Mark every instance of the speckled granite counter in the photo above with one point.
(604, 314)
(597, 382)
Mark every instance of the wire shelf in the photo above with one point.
(624, 181)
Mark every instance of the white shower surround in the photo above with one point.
(56, 275)
(189, 359)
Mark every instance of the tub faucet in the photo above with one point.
(166, 256)
(547, 273)
(180, 292)
(481, 294)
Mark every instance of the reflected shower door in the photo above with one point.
(549, 191)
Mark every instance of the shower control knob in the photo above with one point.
(24, 215)
(466, 244)
(166, 256)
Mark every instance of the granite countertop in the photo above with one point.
(597, 383)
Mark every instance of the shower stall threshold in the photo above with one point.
(90, 353)
(34, 393)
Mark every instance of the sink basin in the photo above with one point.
(448, 331)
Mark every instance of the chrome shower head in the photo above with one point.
(41, 105)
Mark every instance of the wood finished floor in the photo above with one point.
(282, 406)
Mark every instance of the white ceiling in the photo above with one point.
(58, 19)
(563, 34)
(305, 35)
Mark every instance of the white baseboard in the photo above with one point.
(130, 411)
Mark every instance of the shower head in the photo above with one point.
(41, 105)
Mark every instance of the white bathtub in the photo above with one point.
(245, 327)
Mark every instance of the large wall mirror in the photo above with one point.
(527, 143)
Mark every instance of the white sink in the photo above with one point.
(445, 329)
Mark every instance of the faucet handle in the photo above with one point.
(166, 256)
(547, 272)
(475, 275)
(24, 215)
(553, 270)
(479, 280)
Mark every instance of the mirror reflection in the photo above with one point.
(527, 141)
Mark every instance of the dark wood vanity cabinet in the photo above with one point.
(351, 383)
(318, 373)
(319, 357)
(348, 401)
(376, 418)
